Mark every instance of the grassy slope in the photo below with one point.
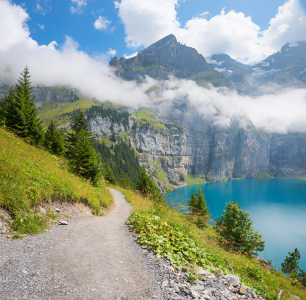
(29, 175)
(191, 179)
(52, 111)
(264, 281)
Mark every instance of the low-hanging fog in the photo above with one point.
(51, 65)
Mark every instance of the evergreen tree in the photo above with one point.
(199, 208)
(109, 175)
(128, 182)
(22, 114)
(235, 226)
(84, 160)
(201, 205)
(192, 203)
(122, 179)
(148, 187)
(54, 140)
(113, 137)
(290, 266)
(121, 158)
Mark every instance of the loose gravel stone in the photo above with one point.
(97, 258)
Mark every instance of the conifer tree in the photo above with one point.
(109, 175)
(54, 140)
(192, 203)
(148, 187)
(199, 208)
(122, 179)
(290, 266)
(21, 114)
(235, 226)
(113, 137)
(84, 160)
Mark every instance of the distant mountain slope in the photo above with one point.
(166, 57)
(286, 68)
(290, 61)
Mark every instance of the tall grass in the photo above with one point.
(29, 176)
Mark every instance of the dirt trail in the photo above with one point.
(91, 258)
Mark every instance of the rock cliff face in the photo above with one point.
(168, 57)
(189, 145)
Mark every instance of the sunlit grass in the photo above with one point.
(29, 176)
(53, 111)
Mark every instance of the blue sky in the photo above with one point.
(53, 20)
(69, 43)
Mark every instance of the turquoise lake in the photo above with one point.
(277, 207)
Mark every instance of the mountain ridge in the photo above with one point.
(168, 57)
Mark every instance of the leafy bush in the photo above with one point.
(173, 243)
(235, 226)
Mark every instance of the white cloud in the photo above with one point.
(111, 52)
(233, 32)
(78, 9)
(102, 23)
(147, 21)
(273, 112)
(130, 56)
(204, 14)
(43, 7)
(13, 18)
(68, 66)
(41, 26)
(112, 29)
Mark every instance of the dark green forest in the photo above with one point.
(121, 158)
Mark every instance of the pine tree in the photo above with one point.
(122, 179)
(235, 226)
(199, 208)
(201, 205)
(113, 137)
(109, 175)
(148, 187)
(84, 160)
(54, 140)
(290, 265)
(192, 203)
(21, 114)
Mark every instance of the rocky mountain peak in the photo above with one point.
(169, 40)
(165, 57)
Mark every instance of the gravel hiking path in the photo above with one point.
(91, 258)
